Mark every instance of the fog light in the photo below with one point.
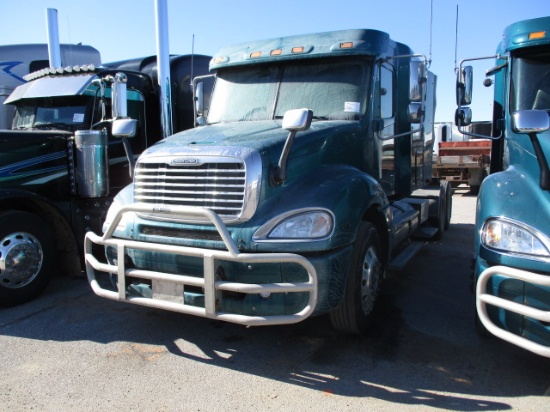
(265, 295)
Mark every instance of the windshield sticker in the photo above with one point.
(352, 107)
(78, 117)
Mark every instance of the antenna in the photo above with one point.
(456, 37)
(192, 60)
(431, 31)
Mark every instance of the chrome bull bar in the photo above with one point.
(211, 286)
(483, 299)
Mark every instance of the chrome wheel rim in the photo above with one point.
(21, 258)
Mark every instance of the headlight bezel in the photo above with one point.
(125, 196)
(266, 233)
(502, 234)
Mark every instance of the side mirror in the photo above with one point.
(119, 107)
(199, 99)
(124, 128)
(530, 121)
(297, 119)
(293, 121)
(418, 77)
(464, 84)
(414, 112)
(463, 116)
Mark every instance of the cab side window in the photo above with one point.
(386, 91)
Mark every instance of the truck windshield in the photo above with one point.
(530, 85)
(332, 88)
(68, 113)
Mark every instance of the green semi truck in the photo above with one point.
(307, 178)
(512, 243)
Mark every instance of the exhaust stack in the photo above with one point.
(163, 66)
(54, 50)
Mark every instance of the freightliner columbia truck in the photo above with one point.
(304, 181)
(63, 162)
(512, 244)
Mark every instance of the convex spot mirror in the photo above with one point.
(530, 121)
(463, 116)
(124, 128)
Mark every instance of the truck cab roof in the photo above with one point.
(525, 33)
(365, 42)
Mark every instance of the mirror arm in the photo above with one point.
(495, 69)
(278, 173)
(420, 129)
(130, 156)
(462, 131)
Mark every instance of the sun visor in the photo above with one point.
(52, 86)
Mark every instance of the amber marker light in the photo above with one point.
(255, 55)
(276, 52)
(299, 49)
(220, 59)
(346, 45)
(537, 35)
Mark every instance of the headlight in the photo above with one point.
(513, 237)
(306, 225)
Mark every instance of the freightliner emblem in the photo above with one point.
(185, 161)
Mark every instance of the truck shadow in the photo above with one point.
(422, 348)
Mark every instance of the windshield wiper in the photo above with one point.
(52, 126)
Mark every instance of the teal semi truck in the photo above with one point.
(512, 244)
(68, 154)
(307, 177)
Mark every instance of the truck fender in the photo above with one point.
(63, 236)
(350, 194)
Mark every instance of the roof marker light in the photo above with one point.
(220, 59)
(537, 35)
(255, 55)
(346, 45)
(276, 52)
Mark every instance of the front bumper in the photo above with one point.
(535, 329)
(168, 289)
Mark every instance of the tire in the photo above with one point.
(355, 313)
(443, 218)
(26, 255)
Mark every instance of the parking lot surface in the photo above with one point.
(71, 350)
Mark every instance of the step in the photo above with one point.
(401, 260)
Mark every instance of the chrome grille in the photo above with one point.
(219, 186)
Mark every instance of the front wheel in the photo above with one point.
(26, 253)
(366, 271)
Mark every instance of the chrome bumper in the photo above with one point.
(483, 299)
(211, 286)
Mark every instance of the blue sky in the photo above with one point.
(122, 29)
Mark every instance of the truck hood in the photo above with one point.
(262, 136)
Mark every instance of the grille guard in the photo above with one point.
(483, 299)
(212, 287)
